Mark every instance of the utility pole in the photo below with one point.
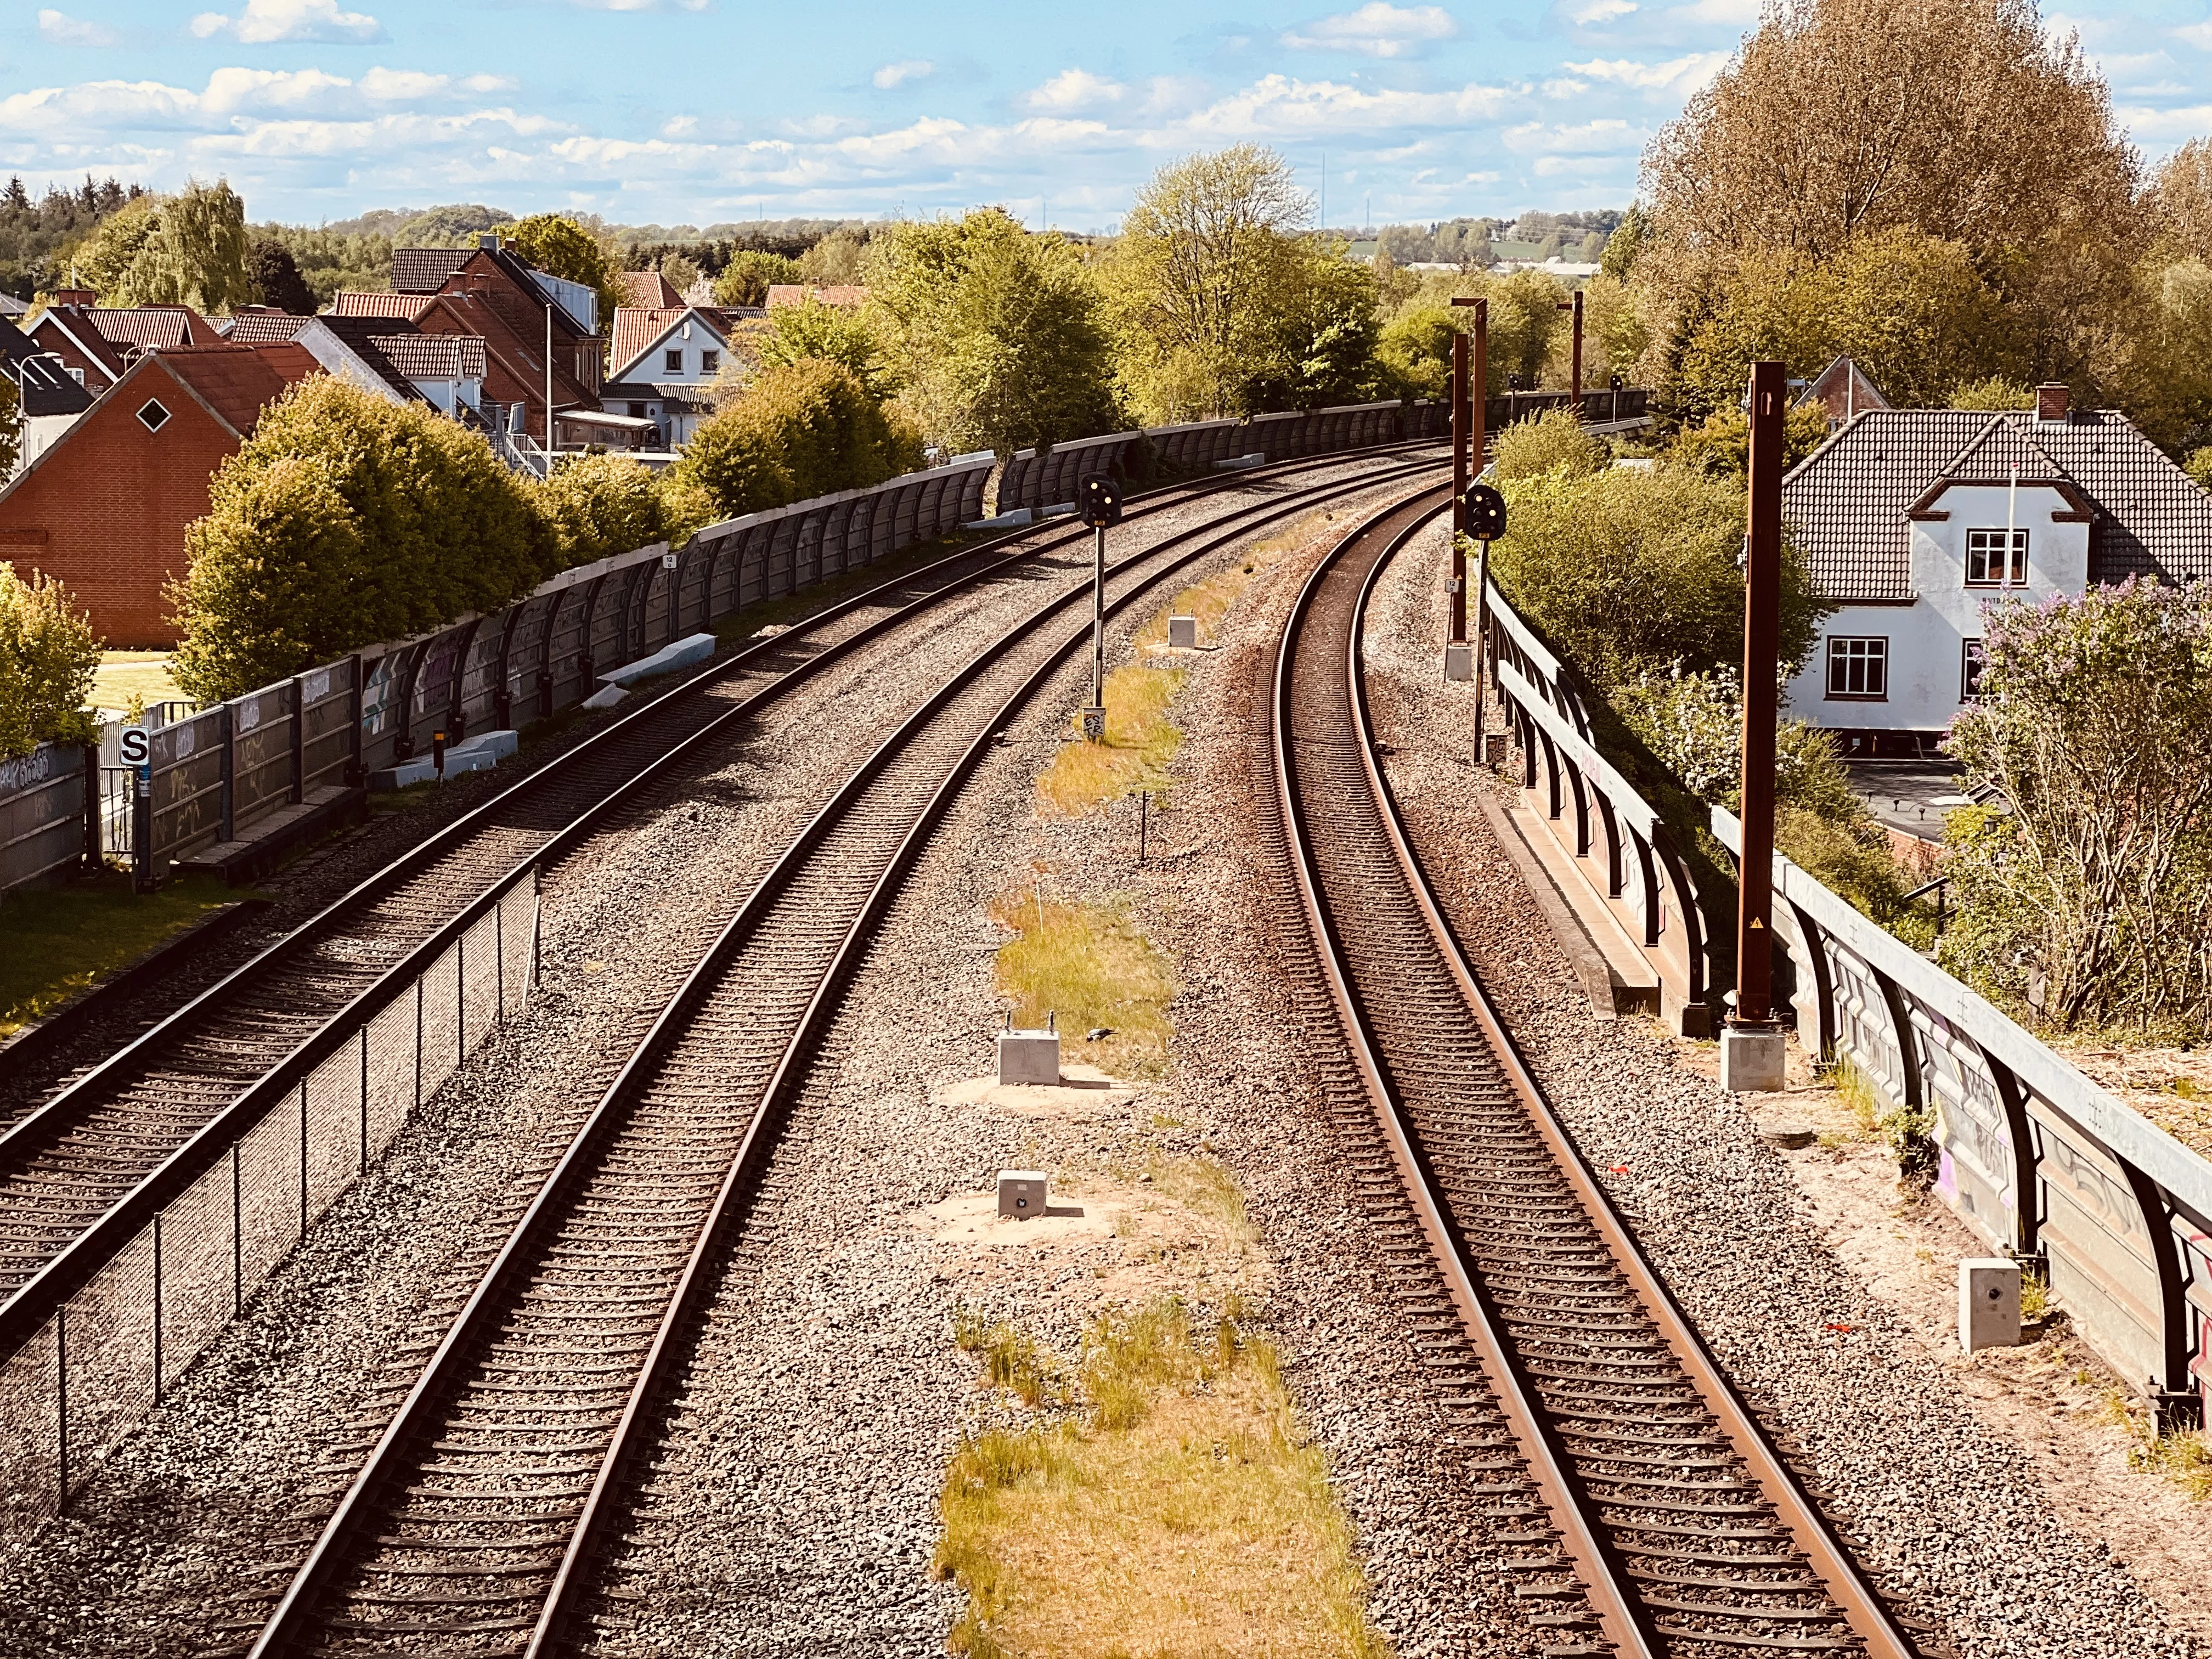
(1468, 384)
(548, 385)
(1575, 381)
(1751, 1051)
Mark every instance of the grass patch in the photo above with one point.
(1011, 1359)
(122, 674)
(1904, 1131)
(1140, 742)
(1185, 1513)
(2182, 1455)
(61, 940)
(1090, 966)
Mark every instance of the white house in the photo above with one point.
(1914, 520)
(665, 360)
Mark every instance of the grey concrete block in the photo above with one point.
(1013, 521)
(478, 754)
(605, 697)
(681, 654)
(1459, 662)
(1752, 1062)
(1022, 1194)
(1029, 1057)
(1989, 1304)
(1183, 633)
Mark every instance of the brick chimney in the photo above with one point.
(2050, 400)
(74, 296)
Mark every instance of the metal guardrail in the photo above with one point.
(2035, 1157)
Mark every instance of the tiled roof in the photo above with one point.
(356, 302)
(647, 290)
(433, 356)
(253, 327)
(12, 307)
(1846, 502)
(851, 296)
(637, 331)
(45, 385)
(69, 323)
(238, 382)
(424, 270)
(151, 325)
(674, 396)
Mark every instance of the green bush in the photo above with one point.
(804, 429)
(345, 520)
(1720, 447)
(596, 506)
(1633, 572)
(47, 655)
(1554, 441)
(747, 278)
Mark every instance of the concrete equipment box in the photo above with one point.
(1020, 1193)
(1029, 1057)
(1989, 1304)
(1183, 633)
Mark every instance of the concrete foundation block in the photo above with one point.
(681, 654)
(1029, 1057)
(478, 754)
(605, 697)
(1989, 1304)
(1022, 1194)
(1459, 662)
(1183, 633)
(1012, 520)
(1241, 463)
(1752, 1062)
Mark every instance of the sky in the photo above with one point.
(703, 111)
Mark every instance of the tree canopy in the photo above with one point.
(801, 430)
(47, 655)
(561, 247)
(187, 249)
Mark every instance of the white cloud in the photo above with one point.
(266, 21)
(897, 74)
(1564, 87)
(1739, 13)
(641, 5)
(1074, 89)
(1681, 76)
(2197, 34)
(233, 98)
(1277, 105)
(1601, 12)
(1610, 136)
(1377, 29)
(2165, 125)
(62, 30)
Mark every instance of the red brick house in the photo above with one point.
(103, 508)
(98, 343)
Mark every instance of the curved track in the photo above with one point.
(69, 1162)
(474, 1523)
(1650, 1514)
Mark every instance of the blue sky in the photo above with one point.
(697, 111)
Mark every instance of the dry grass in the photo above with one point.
(2183, 1458)
(122, 674)
(1012, 1359)
(1090, 966)
(1188, 1515)
(1140, 742)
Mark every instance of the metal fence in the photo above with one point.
(118, 1316)
(2036, 1159)
(46, 798)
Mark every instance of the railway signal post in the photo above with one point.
(1468, 384)
(1752, 1050)
(1099, 499)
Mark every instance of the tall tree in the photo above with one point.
(274, 276)
(999, 336)
(561, 247)
(196, 255)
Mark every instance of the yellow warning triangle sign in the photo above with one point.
(1756, 923)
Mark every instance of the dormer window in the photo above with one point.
(1986, 559)
(672, 362)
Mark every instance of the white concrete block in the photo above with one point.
(681, 654)
(605, 697)
(1752, 1062)
(478, 754)
(1022, 1194)
(491, 747)
(1241, 463)
(1989, 1304)
(1029, 1057)
(1183, 633)
(1459, 662)
(1013, 521)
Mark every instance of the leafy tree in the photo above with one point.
(102, 261)
(1996, 392)
(343, 519)
(47, 655)
(35, 236)
(746, 279)
(2180, 200)
(1413, 350)
(561, 247)
(329, 260)
(1325, 336)
(1633, 572)
(999, 336)
(1721, 447)
(1626, 242)
(799, 334)
(2091, 898)
(678, 272)
(802, 429)
(835, 260)
(596, 506)
(274, 276)
(2166, 380)
(196, 254)
(457, 224)
(1197, 277)
(1553, 441)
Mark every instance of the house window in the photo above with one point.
(152, 416)
(710, 362)
(636, 412)
(1858, 667)
(1970, 671)
(77, 374)
(1986, 559)
(672, 362)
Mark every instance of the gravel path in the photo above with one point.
(223, 1484)
(1953, 1512)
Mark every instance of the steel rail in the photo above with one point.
(1625, 1616)
(24, 1310)
(291, 1626)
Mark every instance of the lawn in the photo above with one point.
(123, 674)
(61, 940)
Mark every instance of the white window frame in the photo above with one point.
(163, 415)
(1987, 546)
(1863, 657)
(1970, 671)
(671, 362)
(710, 362)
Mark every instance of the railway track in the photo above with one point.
(475, 1523)
(1646, 1512)
(74, 1159)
